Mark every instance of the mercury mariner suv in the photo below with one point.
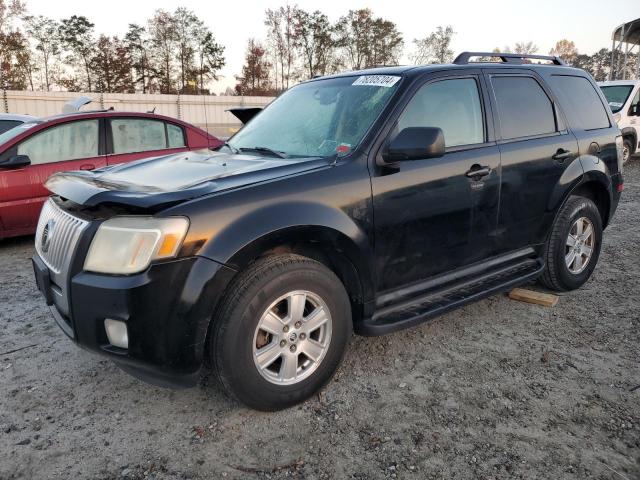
(368, 201)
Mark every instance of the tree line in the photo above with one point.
(300, 45)
(173, 52)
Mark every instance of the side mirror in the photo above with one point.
(17, 161)
(415, 143)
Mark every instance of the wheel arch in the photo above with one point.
(630, 132)
(326, 234)
(598, 193)
(588, 177)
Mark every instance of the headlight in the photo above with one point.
(124, 245)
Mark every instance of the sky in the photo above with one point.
(479, 25)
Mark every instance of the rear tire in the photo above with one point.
(280, 332)
(573, 248)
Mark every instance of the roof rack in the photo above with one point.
(515, 58)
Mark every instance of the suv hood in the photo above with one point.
(173, 178)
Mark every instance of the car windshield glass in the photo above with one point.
(15, 131)
(319, 119)
(616, 96)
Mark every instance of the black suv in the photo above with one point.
(368, 201)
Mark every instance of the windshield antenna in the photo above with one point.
(206, 121)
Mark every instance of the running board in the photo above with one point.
(436, 302)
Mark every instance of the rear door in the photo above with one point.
(535, 147)
(74, 145)
(132, 138)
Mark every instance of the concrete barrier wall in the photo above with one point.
(207, 112)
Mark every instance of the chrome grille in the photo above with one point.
(57, 235)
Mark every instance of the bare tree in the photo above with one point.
(566, 50)
(14, 47)
(139, 46)
(435, 47)
(76, 35)
(313, 37)
(186, 24)
(525, 48)
(367, 41)
(163, 39)
(44, 32)
(280, 25)
(112, 67)
(255, 72)
(209, 56)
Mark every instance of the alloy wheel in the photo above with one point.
(580, 245)
(292, 337)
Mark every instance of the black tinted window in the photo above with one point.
(580, 101)
(523, 107)
(8, 125)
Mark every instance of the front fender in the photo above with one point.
(268, 220)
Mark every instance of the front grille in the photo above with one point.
(57, 235)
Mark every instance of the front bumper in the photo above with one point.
(167, 310)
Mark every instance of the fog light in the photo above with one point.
(117, 333)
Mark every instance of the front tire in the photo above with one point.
(573, 248)
(280, 332)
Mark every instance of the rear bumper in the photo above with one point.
(167, 310)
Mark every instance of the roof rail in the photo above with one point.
(516, 58)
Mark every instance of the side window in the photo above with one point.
(452, 105)
(175, 136)
(581, 102)
(69, 141)
(132, 135)
(524, 108)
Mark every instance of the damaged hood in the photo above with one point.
(173, 178)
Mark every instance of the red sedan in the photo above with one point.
(33, 151)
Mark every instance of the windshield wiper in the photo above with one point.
(228, 145)
(264, 150)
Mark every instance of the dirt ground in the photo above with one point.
(499, 389)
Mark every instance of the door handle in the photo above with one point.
(87, 166)
(561, 155)
(478, 171)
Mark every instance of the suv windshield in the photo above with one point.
(318, 119)
(616, 95)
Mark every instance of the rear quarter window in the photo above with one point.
(580, 101)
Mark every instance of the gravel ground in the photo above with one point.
(499, 389)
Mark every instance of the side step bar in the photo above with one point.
(436, 302)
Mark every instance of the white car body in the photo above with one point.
(626, 110)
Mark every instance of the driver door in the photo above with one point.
(433, 215)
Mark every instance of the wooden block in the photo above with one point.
(529, 296)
